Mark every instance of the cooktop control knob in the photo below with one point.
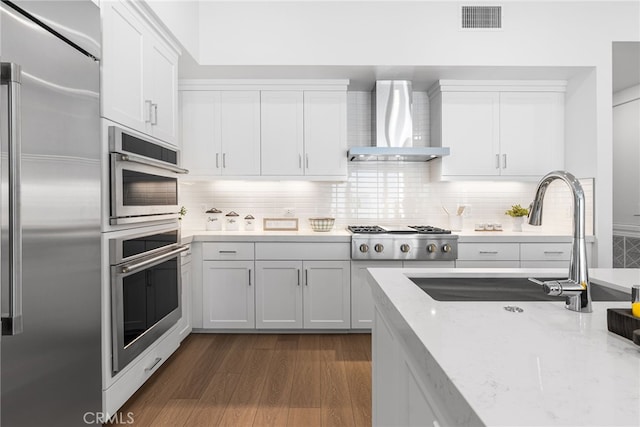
(405, 248)
(364, 248)
(378, 247)
(431, 248)
(446, 248)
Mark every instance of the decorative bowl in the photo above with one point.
(321, 224)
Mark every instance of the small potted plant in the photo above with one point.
(518, 213)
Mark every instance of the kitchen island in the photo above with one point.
(475, 363)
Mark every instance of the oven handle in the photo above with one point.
(150, 162)
(137, 266)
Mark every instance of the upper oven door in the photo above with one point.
(144, 178)
(141, 192)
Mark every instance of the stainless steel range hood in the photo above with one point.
(393, 127)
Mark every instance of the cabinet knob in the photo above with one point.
(378, 247)
(364, 248)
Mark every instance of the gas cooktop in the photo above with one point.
(376, 229)
(413, 242)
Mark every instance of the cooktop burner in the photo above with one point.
(376, 229)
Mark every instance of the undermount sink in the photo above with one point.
(501, 289)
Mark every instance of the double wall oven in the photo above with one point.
(144, 252)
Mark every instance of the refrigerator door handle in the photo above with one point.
(12, 321)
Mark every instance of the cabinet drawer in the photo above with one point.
(227, 251)
(489, 251)
(545, 251)
(307, 250)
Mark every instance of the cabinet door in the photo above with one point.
(185, 321)
(279, 294)
(201, 149)
(325, 133)
(239, 132)
(228, 295)
(281, 121)
(470, 128)
(326, 294)
(361, 298)
(123, 66)
(531, 133)
(161, 82)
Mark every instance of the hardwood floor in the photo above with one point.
(260, 380)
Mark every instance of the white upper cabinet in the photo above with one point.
(139, 72)
(282, 133)
(510, 129)
(531, 132)
(239, 132)
(221, 133)
(275, 131)
(325, 133)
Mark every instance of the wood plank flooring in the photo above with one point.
(260, 380)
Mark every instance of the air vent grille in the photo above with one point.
(481, 17)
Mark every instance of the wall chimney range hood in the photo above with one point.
(393, 127)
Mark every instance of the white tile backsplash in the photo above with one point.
(383, 192)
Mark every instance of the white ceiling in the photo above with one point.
(626, 65)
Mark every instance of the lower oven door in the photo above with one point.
(145, 303)
(141, 191)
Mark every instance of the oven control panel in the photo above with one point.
(405, 247)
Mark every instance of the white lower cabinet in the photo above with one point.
(311, 292)
(228, 295)
(516, 255)
(297, 294)
(400, 396)
(184, 325)
(279, 294)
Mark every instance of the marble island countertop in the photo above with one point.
(541, 367)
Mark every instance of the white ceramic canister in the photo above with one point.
(214, 219)
(231, 221)
(249, 223)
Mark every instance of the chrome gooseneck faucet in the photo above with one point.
(576, 288)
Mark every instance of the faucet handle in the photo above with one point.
(536, 281)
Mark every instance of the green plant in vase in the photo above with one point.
(518, 213)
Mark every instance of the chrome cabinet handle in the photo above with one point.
(553, 252)
(227, 252)
(488, 252)
(224, 160)
(217, 160)
(249, 277)
(306, 277)
(504, 161)
(298, 277)
(497, 161)
(299, 161)
(154, 119)
(307, 160)
(10, 75)
(148, 107)
(153, 365)
(137, 266)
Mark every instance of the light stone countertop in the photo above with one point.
(343, 235)
(545, 366)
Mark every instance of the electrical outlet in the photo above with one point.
(289, 212)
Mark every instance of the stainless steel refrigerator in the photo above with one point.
(50, 216)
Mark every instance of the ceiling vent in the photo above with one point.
(481, 17)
